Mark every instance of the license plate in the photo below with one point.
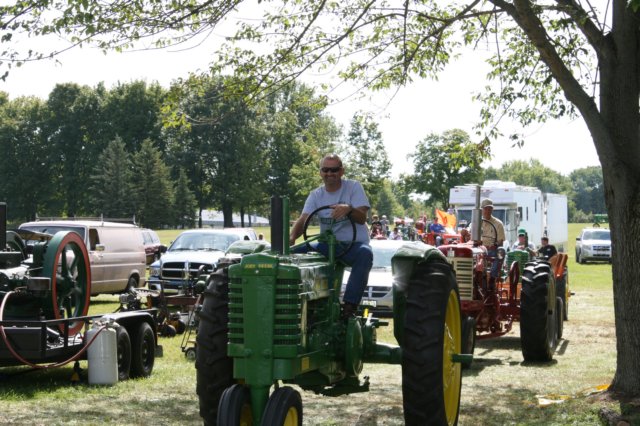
(367, 302)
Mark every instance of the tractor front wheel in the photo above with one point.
(235, 407)
(214, 368)
(284, 407)
(538, 323)
(431, 381)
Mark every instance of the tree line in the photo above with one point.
(162, 156)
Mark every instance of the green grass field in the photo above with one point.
(499, 388)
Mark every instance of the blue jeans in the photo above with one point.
(496, 265)
(360, 258)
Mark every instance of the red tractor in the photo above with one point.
(532, 291)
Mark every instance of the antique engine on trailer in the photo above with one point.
(47, 280)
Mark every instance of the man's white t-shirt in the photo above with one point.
(350, 192)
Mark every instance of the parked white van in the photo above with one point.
(116, 251)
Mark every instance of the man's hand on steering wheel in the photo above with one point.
(341, 210)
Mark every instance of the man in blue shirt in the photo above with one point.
(437, 229)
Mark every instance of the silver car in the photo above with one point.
(593, 244)
(378, 295)
(192, 253)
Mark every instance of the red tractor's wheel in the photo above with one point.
(284, 407)
(538, 324)
(431, 380)
(468, 338)
(559, 317)
(214, 368)
(235, 406)
(563, 292)
(66, 262)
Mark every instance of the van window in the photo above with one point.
(121, 240)
(93, 239)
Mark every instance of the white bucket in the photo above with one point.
(102, 356)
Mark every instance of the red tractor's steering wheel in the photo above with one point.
(341, 249)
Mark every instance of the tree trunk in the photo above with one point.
(242, 217)
(619, 154)
(227, 214)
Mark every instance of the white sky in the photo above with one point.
(422, 108)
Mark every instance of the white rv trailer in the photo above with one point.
(517, 207)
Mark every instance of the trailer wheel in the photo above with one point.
(559, 317)
(143, 350)
(214, 369)
(124, 353)
(431, 381)
(468, 338)
(235, 406)
(538, 325)
(284, 407)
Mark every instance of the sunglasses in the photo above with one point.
(330, 169)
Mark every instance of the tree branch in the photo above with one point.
(593, 34)
(529, 22)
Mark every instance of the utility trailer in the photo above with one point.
(517, 206)
(44, 300)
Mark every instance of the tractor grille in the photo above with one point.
(464, 275)
(236, 324)
(287, 312)
(177, 270)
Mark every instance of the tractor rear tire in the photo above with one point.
(468, 338)
(284, 407)
(538, 324)
(561, 291)
(214, 368)
(431, 381)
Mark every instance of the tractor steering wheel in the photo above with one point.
(343, 249)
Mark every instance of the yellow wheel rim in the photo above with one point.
(246, 417)
(451, 371)
(292, 417)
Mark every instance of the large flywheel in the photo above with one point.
(66, 262)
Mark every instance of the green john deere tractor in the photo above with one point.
(272, 318)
